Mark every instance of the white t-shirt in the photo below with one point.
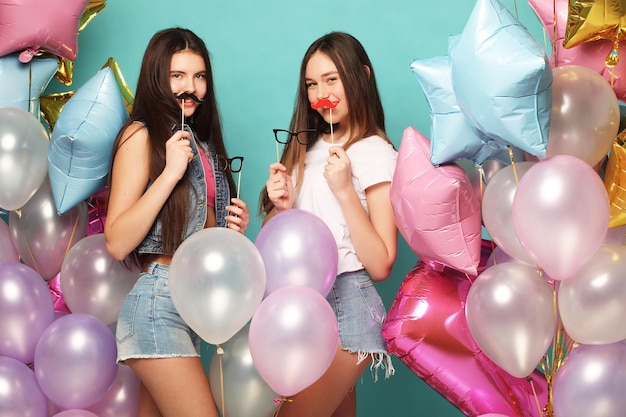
(373, 161)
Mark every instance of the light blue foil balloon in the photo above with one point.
(21, 84)
(81, 147)
(502, 78)
(452, 136)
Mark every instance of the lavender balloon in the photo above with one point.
(122, 399)
(591, 382)
(298, 248)
(75, 413)
(26, 309)
(75, 361)
(20, 395)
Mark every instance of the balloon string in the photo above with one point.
(30, 252)
(69, 243)
(220, 353)
(554, 34)
(516, 12)
(532, 385)
(512, 158)
(31, 105)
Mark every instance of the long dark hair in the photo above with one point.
(366, 115)
(156, 107)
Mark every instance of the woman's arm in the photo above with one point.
(375, 236)
(132, 209)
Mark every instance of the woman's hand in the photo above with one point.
(338, 172)
(279, 187)
(178, 154)
(238, 218)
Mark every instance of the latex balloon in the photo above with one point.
(558, 228)
(75, 413)
(234, 377)
(217, 280)
(81, 146)
(42, 236)
(51, 106)
(585, 114)
(122, 398)
(20, 395)
(510, 313)
(93, 282)
(502, 78)
(597, 55)
(26, 310)
(497, 206)
(452, 137)
(121, 83)
(21, 85)
(30, 26)
(591, 303)
(23, 147)
(298, 248)
(591, 382)
(427, 330)
(615, 183)
(435, 208)
(8, 251)
(75, 360)
(291, 324)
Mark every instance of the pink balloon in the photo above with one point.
(585, 114)
(589, 54)
(122, 398)
(26, 310)
(435, 208)
(298, 248)
(560, 214)
(93, 282)
(427, 329)
(8, 251)
(75, 360)
(293, 338)
(32, 25)
(42, 236)
(20, 395)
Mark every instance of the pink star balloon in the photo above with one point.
(30, 26)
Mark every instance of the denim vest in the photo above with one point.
(152, 243)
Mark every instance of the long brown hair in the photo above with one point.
(366, 115)
(156, 107)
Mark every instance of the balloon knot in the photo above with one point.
(219, 350)
(283, 400)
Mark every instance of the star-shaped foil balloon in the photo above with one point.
(127, 95)
(51, 106)
(21, 84)
(30, 26)
(615, 182)
(554, 15)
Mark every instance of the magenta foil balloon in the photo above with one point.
(26, 309)
(20, 395)
(75, 361)
(298, 248)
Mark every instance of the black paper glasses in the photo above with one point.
(285, 136)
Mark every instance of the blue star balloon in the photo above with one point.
(21, 84)
(81, 147)
(502, 79)
(452, 136)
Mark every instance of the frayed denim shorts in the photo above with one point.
(148, 325)
(360, 315)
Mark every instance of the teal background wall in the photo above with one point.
(256, 47)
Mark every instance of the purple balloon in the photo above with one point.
(75, 360)
(122, 399)
(75, 413)
(20, 395)
(26, 309)
(298, 248)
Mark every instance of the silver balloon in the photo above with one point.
(591, 382)
(42, 236)
(23, 157)
(592, 303)
(510, 313)
(246, 394)
(93, 282)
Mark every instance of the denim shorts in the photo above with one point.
(148, 325)
(360, 315)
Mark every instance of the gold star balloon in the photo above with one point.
(51, 106)
(591, 20)
(615, 182)
(127, 95)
